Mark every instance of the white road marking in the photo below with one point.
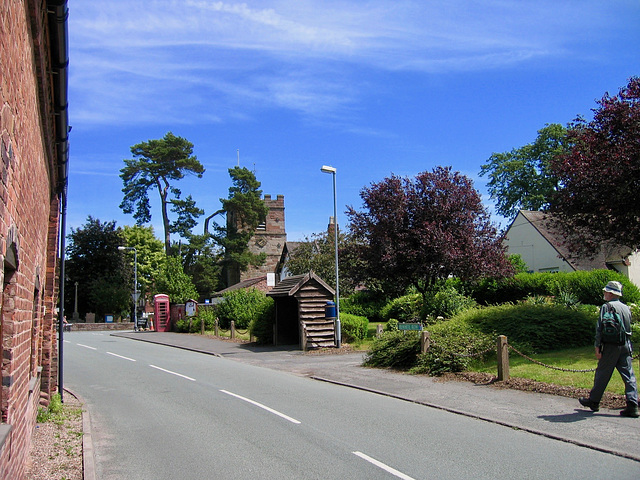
(173, 373)
(271, 410)
(384, 467)
(86, 346)
(120, 356)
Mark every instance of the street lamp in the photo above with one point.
(135, 285)
(332, 171)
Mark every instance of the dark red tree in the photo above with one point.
(418, 231)
(599, 176)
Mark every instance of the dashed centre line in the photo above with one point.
(268, 409)
(120, 356)
(383, 466)
(86, 346)
(173, 373)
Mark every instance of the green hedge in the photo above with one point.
(242, 306)
(586, 286)
(538, 327)
(353, 327)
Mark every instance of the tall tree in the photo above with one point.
(150, 254)
(174, 282)
(158, 163)
(201, 259)
(600, 175)
(419, 231)
(522, 178)
(245, 210)
(317, 253)
(104, 277)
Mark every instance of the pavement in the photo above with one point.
(556, 417)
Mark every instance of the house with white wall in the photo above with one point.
(531, 236)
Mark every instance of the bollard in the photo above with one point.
(215, 327)
(202, 326)
(379, 330)
(425, 341)
(233, 329)
(503, 358)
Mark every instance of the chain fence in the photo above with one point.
(525, 356)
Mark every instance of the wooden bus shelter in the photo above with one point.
(300, 303)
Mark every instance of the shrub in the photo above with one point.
(391, 326)
(541, 327)
(454, 346)
(261, 326)
(404, 309)
(242, 306)
(365, 304)
(585, 286)
(447, 303)
(394, 349)
(353, 327)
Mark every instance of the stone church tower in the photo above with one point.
(268, 238)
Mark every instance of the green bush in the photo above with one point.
(242, 306)
(447, 303)
(353, 327)
(261, 326)
(540, 327)
(394, 349)
(585, 286)
(404, 309)
(364, 304)
(391, 326)
(454, 345)
(193, 324)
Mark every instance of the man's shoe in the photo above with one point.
(631, 410)
(594, 406)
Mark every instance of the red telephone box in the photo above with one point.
(161, 312)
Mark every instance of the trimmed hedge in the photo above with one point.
(538, 327)
(586, 286)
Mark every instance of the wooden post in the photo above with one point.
(379, 330)
(304, 336)
(252, 337)
(215, 327)
(503, 358)
(233, 329)
(425, 341)
(202, 326)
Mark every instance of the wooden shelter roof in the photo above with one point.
(290, 285)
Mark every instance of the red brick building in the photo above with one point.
(33, 173)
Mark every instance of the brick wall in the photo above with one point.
(28, 229)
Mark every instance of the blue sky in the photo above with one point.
(372, 88)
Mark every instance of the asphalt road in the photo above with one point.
(163, 413)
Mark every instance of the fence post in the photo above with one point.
(503, 358)
(202, 325)
(379, 330)
(304, 336)
(233, 329)
(425, 341)
(216, 326)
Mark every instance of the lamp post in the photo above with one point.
(332, 171)
(135, 285)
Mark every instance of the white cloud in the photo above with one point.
(153, 60)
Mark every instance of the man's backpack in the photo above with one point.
(613, 331)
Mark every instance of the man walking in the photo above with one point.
(614, 355)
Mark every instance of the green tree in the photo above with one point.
(600, 176)
(522, 178)
(158, 163)
(201, 259)
(150, 252)
(317, 253)
(244, 210)
(174, 282)
(104, 276)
